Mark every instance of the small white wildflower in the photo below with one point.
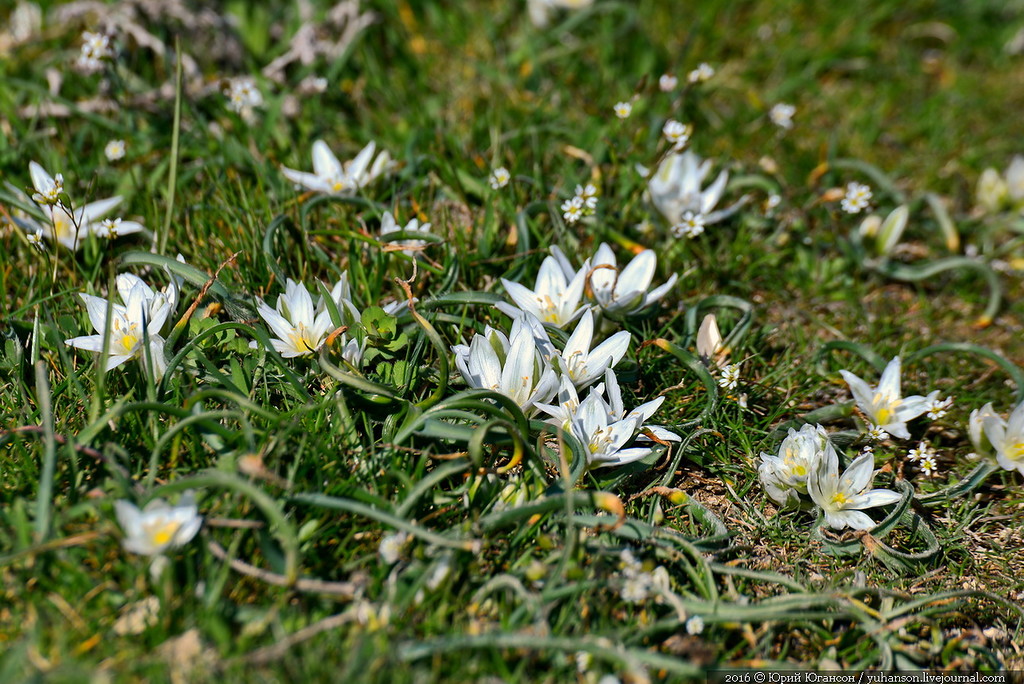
(937, 409)
(730, 376)
(676, 133)
(115, 150)
(923, 451)
(243, 95)
(35, 238)
(96, 45)
(702, 73)
(695, 625)
(667, 83)
(634, 588)
(95, 48)
(623, 109)
(589, 196)
(108, 228)
(876, 433)
(583, 661)
(691, 225)
(772, 202)
(572, 209)
(782, 115)
(858, 197)
(500, 178)
(390, 548)
(928, 465)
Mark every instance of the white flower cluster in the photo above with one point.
(924, 457)
(858, 198)
(583, 203)
(639, 585)
(527, 367)
(808, 465)
(558, 293)
(95, 48)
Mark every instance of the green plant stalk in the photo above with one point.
(44, 500)
(172, 181)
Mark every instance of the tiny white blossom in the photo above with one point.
(634, 588)
(500, 177)
(922, 451)
(47, 188)
(140, 319)
(109, 228)
(858, 197)
(876, 433)
(667, 83)
(95, 48)
(695, 625)
(937, 409)
(676, 133)
(691, 225)
(730, 376)
(35, 238)
(96, 45)
(572, 209)
(583, 661)
(243, 95)
(772, 202)
(623, 109)
(928, 465)
(114, 150)
(782, 115)
(701, 73)
(391, 546)
(589, 196)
